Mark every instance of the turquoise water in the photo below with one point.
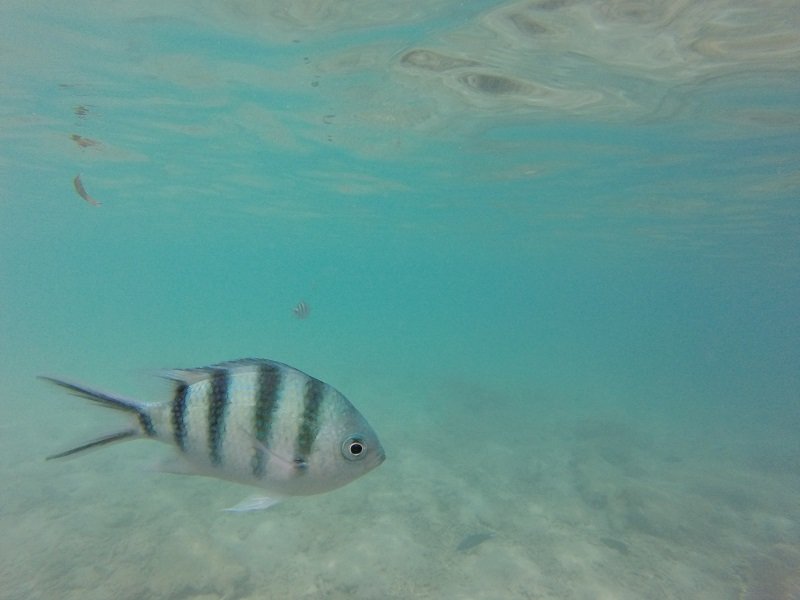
(550, 251)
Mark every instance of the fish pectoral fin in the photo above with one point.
(258, 445)
(254, 503)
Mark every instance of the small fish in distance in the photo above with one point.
(301, 310)
(252, 421)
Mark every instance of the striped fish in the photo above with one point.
(301, 310)
(252, 421)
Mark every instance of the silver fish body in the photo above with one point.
(252, 421)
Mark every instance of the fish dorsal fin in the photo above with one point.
(193, 375)
(244, 364)
(186, 376)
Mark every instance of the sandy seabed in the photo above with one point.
(477, 503)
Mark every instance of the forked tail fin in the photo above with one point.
(144, 423)
(119, 436)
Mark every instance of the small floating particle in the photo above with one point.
(328, 119)
(301, 310)
(472, 540)
(82, 191)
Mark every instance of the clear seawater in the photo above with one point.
(551, 251)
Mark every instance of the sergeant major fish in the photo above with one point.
(251, 421)
(301, 310)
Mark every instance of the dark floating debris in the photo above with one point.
(486, 83)
(82, 191)
(428, 60)
(301, 310)
(526, 25)
(83, 142)
(472, 540)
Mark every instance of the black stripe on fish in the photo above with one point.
(178, 414)
(217, 403)
(147, 424)
(309, 425)
(269, 383)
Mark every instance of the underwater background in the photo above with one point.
(548, 248)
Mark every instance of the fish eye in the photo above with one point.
(354, 448)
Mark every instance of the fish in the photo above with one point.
(252, 421)
(301, 310)
(82, 191)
